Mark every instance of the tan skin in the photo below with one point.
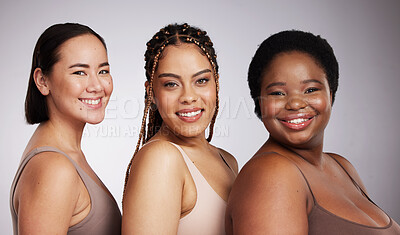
(50, 196)
(278, 199)
(160, 189)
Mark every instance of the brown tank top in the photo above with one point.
(104, 217)
(321, 221)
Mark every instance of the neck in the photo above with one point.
(67, 135)
(312, 154)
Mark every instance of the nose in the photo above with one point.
(296, 103)
(94, 84)
(188, 96)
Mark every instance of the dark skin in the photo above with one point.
(270, 190)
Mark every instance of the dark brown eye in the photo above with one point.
(276, 93)
(202, 81)
(311, 89)
(170, 84)
(80, 73)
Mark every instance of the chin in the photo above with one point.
(299, 142)
(95, 120)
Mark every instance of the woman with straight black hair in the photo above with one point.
(55, 191)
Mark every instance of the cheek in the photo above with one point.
(209, 96)
(108, 86)
(321, 103)
(165, 101)
(270, 108)
(74, 87)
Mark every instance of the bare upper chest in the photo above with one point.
(334, 191)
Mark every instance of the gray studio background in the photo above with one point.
(365, 35)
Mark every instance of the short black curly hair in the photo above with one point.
(287, 41)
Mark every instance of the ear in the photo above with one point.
(41, 81)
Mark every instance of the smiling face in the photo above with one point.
(80, 83)
(295, 100)
(185, 90)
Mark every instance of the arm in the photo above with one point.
(152, 201)
(269, 196)
(46, 195)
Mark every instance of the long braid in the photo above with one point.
(172, 34)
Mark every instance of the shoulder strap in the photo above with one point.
(25, 161)
(308, 184)
(352, 180)
(184, 155)
(223, 159)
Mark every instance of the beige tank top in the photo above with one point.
(208, 215)
(104, 217)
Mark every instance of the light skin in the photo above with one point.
(50, 196)
(295, 105)
(160, 189)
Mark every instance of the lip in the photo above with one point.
(190, 115)
(92, 103)
(297, 122)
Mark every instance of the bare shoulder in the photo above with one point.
(230, 159)
(48, 185)
(268, 191)
(268, 169)
(158, 153)
(343, 161)
(155, 161)
(349, 168)
(50, 167)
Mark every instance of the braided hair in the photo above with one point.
(172, 34)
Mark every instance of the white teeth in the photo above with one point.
(191, 114)
(91, 102)
(298, 120)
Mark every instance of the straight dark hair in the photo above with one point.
(45, 55)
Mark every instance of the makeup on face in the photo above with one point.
(295, 98)
(185, 89)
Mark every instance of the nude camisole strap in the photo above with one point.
(208, 214)
(103, 208)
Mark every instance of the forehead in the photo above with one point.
(183, 55)
(293, 64)
(82, 46)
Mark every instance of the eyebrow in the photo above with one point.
(177, 76)
(201, 72)
(168, 75)
(104, 64)
(310, 81)
(87, 66)
(276, 84)
(79, 65)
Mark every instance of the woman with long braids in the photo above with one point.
(178, 183)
